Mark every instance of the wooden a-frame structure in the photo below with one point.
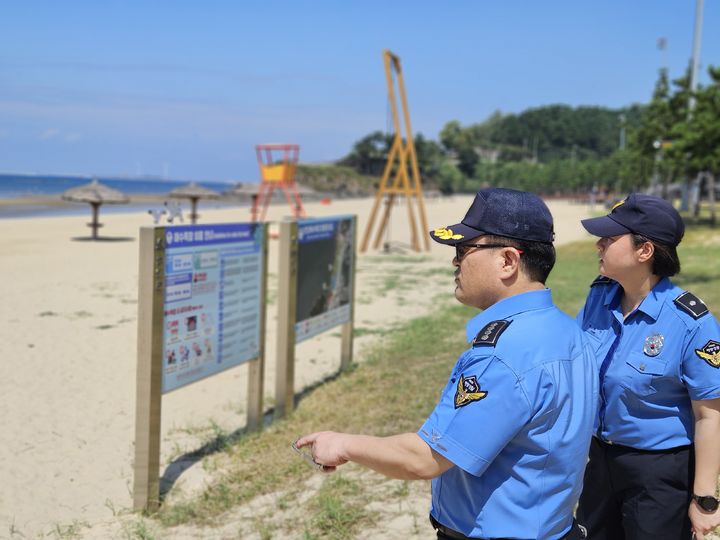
(401, 152)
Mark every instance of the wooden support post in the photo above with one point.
(389, 203)
(379, 196)
(287, 300)
(146, 488)
(256, 368)
(346, 332)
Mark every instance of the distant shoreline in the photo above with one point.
(54, 206)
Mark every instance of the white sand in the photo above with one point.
(68, 327)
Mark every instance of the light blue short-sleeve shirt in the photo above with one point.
(515, 418)
(652, 363)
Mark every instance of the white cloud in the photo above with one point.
(57, 134)
(49, 133)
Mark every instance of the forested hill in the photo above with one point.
(504, 149)
(545, 133)
(560, 149)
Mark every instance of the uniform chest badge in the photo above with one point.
(468, 390)
(710, 353)
(653, 344)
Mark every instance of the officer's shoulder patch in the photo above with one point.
(468, 390)
(692, 305)
(601, 280)
(490, 333)
(710, 353)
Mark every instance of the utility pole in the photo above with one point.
(697, 39)
(694, 65)
(662, 47)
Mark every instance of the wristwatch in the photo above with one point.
(707, 502)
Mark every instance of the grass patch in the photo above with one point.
(570, 280)
(395, 259)
(72, 530)
(442, 271)
(339, 509)
(138, 530)
(360, 331)
(392, 391)
(699, 260)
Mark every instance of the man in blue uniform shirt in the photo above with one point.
(507, 443)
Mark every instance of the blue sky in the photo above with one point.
(186, 89)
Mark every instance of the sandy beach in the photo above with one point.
(68, 340)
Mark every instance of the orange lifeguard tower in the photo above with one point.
(278, 164)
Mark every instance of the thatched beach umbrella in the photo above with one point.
(194, 192)
(95, 194)
(243, 191)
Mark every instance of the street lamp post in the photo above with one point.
(697, 39)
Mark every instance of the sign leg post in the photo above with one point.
(287, 292)
(146, 488)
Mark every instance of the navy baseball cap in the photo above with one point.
(647, 215)
(501, 212)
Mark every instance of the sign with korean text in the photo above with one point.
(212, 300)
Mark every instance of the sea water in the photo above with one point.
(17, 186)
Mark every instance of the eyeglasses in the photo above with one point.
(307, 456)
(463, 249)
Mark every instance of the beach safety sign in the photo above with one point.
(211, 301)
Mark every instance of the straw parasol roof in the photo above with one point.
(242, 190)
(194, 192)
(95, 194)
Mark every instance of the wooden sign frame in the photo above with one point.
(148, 410)
(287, 309)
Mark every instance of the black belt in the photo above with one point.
(574, 532)
(447, 531)
(622, 447)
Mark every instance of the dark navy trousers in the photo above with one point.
(631, 494)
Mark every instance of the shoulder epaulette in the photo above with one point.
(490, 333)
(602, 280)
(692, 305)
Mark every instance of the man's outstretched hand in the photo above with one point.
(326, 447)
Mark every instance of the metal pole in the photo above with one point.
(697, 39)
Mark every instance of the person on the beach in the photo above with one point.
(655, 456)
(507, 443)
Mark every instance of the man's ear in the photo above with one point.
(511, 262)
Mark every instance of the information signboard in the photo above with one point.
(201, 310)
(316, 276)
(211, 308)
(324, 275)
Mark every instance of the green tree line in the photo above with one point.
(558, 149)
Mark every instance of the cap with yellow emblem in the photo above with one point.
(501, 212)
(647, 215)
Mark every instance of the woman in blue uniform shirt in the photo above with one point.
(655, 454)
